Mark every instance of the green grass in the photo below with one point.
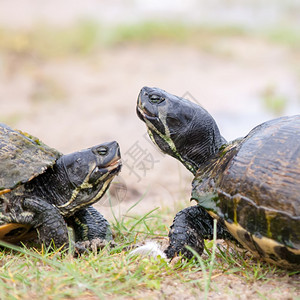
(289, 36)
(273, 101)
(45, 41)
(113, 272)
(88, 36)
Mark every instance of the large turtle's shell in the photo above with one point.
(22, 157)
(254, 186)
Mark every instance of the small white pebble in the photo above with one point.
(151, 249)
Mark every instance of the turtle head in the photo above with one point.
(88, 174)
(179, 127)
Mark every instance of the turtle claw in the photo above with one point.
(179, 241)
(190, 227)
(92, 246)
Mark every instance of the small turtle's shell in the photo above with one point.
(22, 157)
(254, 186)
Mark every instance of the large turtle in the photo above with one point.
(251, 185)
(43, 191)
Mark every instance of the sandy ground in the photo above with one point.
(74, 103)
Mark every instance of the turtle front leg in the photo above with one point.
(48, 222)
(190, 227)
(92, 230)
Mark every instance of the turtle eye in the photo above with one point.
(102, 150)
(156, 99)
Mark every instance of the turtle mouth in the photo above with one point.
(114, 165)
(142, 111)
(109, 170)
(143, 114)
(113, 162)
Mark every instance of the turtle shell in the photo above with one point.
(22, 157)
(254, 186)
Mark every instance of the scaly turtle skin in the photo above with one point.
(42, 191)
(251, 185)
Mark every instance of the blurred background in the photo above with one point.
(70, 73)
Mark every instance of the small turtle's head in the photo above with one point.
(179, 127)
(89, 173)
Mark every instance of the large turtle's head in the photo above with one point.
(88, 174)
(179, 127)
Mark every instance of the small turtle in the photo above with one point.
(43, 191)
(251, 185)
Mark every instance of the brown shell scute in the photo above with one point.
(266, 168)
(255, 182)
(22, 157)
